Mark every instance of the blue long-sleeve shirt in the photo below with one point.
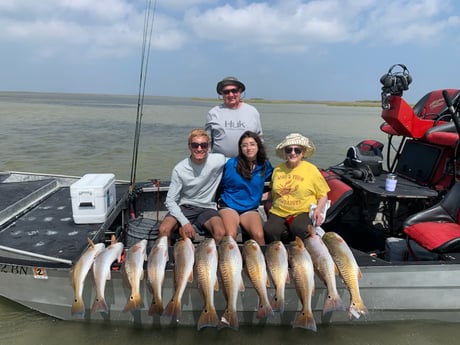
(242, 194)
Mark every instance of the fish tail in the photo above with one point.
(135, 302)
(208, 318)
(229, 319)
(156, 308)
(277, 303)
(305, 320)
(333, 303)
(264, 310)
(99, 305)
(173, 309)
(357, 309)
(78, 308)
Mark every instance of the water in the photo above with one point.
(78, 134)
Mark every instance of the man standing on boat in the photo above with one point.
(192, 191)
(226, 122)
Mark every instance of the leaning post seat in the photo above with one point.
(430, 111)
(403, 120)
(443, 135)
(437, 228)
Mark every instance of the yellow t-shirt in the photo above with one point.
(294, 190)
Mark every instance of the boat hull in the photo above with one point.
(393, 292)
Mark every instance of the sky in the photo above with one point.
(286, 49)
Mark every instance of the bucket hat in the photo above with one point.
(229, 81)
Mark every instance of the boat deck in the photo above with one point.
(37, 222)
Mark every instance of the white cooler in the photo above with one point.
(93, 198)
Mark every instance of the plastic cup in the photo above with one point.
(390, 183)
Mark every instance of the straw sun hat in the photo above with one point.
(297, 140)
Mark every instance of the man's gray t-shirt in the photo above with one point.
(226, 126)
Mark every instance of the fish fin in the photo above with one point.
(134, 303)
(173, 309)
(357, 309)
(99, 305)
(267, 283)
(311, 230)
(359, 274)
(264, 310)
(288, 277)
(333, 303)
(277, 303)
(208, 318)
(113, 239)
(78, 308)
(306, 321)
(190, 277)
(229, 319)
(156, 308)
(299, 242)
(216, 285)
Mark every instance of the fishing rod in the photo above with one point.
(149, 16)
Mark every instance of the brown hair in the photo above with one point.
(243, 167)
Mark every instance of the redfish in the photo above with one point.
(326, 270)
(349, 270)
(156, 265)
(256, 269)
(78, 275)
(206, 260)
(230, 268)
(277, 262)
(101, 273)
(133, 268)
(304, 281)
(184, 257)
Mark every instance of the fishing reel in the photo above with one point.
(394, 82)
(363, 173)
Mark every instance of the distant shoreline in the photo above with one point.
(364, 103)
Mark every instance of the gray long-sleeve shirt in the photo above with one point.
(194, 184)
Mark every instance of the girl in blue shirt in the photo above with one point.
(242, 187)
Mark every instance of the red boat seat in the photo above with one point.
(430, 111)
(443, 135)
(437, 228)
(339, 195)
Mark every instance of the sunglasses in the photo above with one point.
(226, 92)
(288, 149)
(195, 145)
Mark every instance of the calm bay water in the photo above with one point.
(78, 134)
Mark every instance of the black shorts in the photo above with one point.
(198, 216)
(222, 205)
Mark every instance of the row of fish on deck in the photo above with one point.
(327, 256)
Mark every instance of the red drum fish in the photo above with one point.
(304, 281)
(134, 270)
(156, 265)
(230, 268)
(257, 272)
(101, 272)
(78, 275)
(349, 270)
(206, 260)
(326, 270)
(277, 262)
(184, 257)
